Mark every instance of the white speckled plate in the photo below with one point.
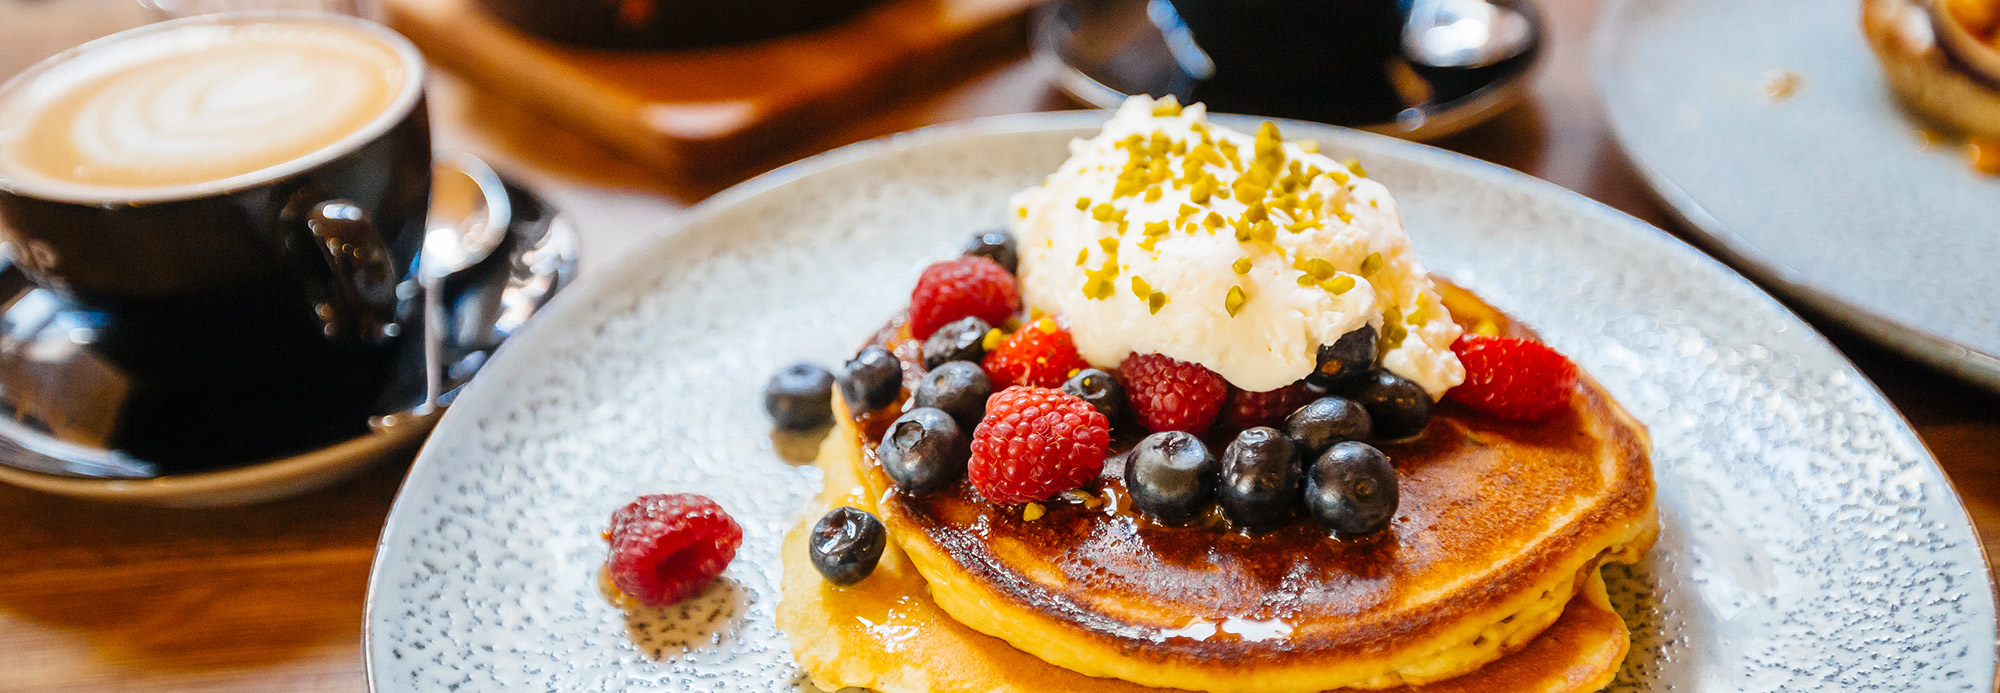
(1809, 542)
(1829, 196)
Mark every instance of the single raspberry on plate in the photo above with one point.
(1040, 354)
(1512, 379)
(968, 286)
(1172, 395)
(665, 547)
(1035, 443)
(1247, 409)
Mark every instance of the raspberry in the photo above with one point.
(1035, 443)
(1512, 379)
(665, 547)
(1247, 409)
(967, 286)
(1172, 395)
(1041, 355)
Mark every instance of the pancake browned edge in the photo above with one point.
(1502, 527)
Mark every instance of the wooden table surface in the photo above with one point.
(268, 598)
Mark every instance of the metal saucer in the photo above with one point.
(1105, 50)
(484, 304)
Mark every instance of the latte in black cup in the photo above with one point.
(198, 104)
(236, 203)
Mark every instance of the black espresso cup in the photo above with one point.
(1309, 58)
(235, 205)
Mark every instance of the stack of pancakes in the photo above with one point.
(1486, 580)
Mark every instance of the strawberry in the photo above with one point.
(1512, 379)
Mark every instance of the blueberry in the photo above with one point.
(846, 544)
(1397, 407)
(872, 380)
(1345, 360)
(963, 339)
(800, 397)
(996, 245)
(923, 451)
(1325, 421)
(1171, 476)
(1260, 479)
(1102, 391)
(960, 388)
(1352, 490)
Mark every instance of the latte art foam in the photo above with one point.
(197, 104)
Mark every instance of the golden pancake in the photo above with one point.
(885, 633)
(1500, 525)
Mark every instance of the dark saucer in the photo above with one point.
(68, 419)
(1109, 49)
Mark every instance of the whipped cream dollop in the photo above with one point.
(1167, 234)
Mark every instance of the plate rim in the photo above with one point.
(1959, 360)
(674, 232)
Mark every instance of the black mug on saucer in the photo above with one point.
(230, 208)
(1315, 59)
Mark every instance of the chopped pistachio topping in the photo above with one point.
(1264, 231)
(1371, 264)
(1275, 191)
(1393, 330)
(1033, 511)
(1097, 288)
(1203, 189)
(1318, 268)
(992, 339)
(1234, 300)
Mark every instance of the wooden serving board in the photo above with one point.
(718, 111)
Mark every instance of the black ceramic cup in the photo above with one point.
(1283, 51)
(243, 318)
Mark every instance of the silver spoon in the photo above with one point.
(1465, 33)
(469, 216)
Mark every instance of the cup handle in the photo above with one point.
(364, 301)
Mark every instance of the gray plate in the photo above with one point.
(1830, 196)
(1809, 542)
